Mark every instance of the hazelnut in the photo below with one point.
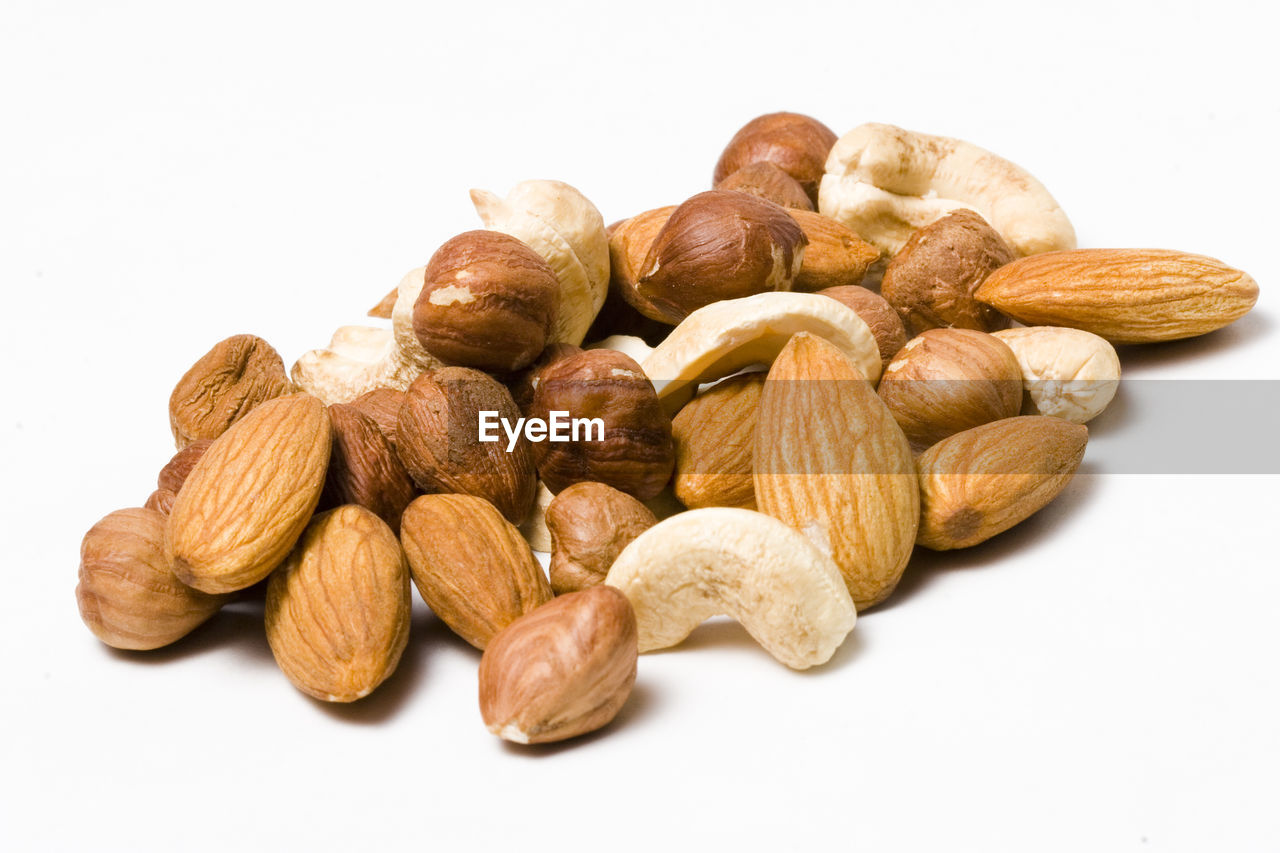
(364, 469)
(714, 443)
(635, 454)
(488, 301)
(767, 181)
(175, 471)
(438, 440)
(931, 281)
(223, 386)
(521, 384)
(877, 313)
(590, 524)
(719, 245)
(382, 406)
(945, 381)
(795, 143)
(161, 500)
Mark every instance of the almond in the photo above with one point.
(1128, 296)
(835, 256)
(223, 386)
(364, 469)
(714, 437)
(831, 462)
(337, 612)
(250, 496)
(983, 481)
(471, 565)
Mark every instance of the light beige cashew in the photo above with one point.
(785, 591)
(1067, 373)
(885, 182)
(724, 337)
(362, 358)
(628, 345)
(561, 225)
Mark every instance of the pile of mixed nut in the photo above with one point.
(755, 403)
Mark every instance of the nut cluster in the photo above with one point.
(847, 348)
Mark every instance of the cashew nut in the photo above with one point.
(1067, 373)
(362, 358)
(785, 591)
(885, 182)
(561, 225)
(724, 337)
(629, 345)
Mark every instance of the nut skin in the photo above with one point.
(127, 594)
(877, 313)
(438, 441)
(948, 380)
(983, 481)
(382, 406)
(931, 282)
(719, 245)
(337, 610)
(795, 143)
(224, 386)
(176, 470)
(765, 180)
(471, 566)
(488, 301)
(714, 439)
(590, 524)
(834, 256)
(636, 455)
(161, 500)
(563, 670)
(364, 468)
(250, 496)
(521, 384)
(629, 244)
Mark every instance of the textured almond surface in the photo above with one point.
(382, 406)
(835, 254)
(223, 386)
(1128, 296)
(337, 611)
(714, 436)
(128, 595)
(590, 524)
(251, 495)
(985, 480)
(471, 566)
(831, 462)
(563, 670)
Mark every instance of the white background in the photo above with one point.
(1104, 678)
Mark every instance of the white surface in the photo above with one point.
(1102, 679)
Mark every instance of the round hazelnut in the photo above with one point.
(877, 313)
(590, 524)
(488, 301)
(795, 143)
(719, 245)
(635, 455)
(931, 281)
(382, 406)
(945, 381)
(765, 180)
(521, 384)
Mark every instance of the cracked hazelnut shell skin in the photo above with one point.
(795, 143)
(765, 180)
(932, 280)
(718, 245)
(488, 302)
(637, 454)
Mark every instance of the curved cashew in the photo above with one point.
(362, 358)
(561, 225)
(629, 345)
(787, 593)
(885, 182)
(726, 336)
(1068, 373)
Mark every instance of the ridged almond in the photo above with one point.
(835, 256)
(714, 436)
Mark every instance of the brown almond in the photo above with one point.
(590, 524)
(224, 386)
(629, 245)
(714, 437)
(364, 469)
(835, 255)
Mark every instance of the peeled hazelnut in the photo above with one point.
(128, 595)
(945, 381)
(223, 386)
(635, 454)
(767, 181)
(438, 441)
(488, 301)
(521, 384)
(364, 469)
(931, 281)
(563, 670)
(175, 471)
(161, 500)
(795, 143)
(834, 256)
(714, 442)
(382, 406)
(590, 524)
(878, 314)
(719, 245)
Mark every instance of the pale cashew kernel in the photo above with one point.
(782, 588)
(629, 345)
(1067, 373)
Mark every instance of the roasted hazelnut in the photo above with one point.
(878, 314)
(590, 524)
(765, 180)
(635, 454)
(224, 386)
(714, 443)
(522, 383)
(719, 245)
(795, 143)
(931, 281)
(438, 440)
(488, 301)
(175, 471)
(364, 468)
(382, 406)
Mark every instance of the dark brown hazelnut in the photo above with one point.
(364, 468)
(175, 471)
(522, 383)
(382, 406)
(629, 244)
(590, 524)
(767, 181)
(877, 313)
(795, 143)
